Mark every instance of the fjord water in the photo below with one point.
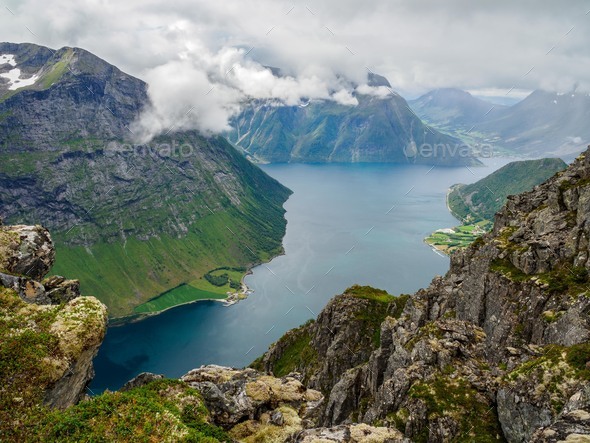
(347, 224)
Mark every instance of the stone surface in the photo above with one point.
(359, 433)
(76, 325)
(26, 251)
(141, 380)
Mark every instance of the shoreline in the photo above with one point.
(134, 318)
(439, 252)
(244, 290)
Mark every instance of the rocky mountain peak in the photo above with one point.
(497, 349)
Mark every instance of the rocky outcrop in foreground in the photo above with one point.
(49, 334)
(497, 349)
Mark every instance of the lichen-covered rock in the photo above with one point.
(357, 433)
(58, 289)
(233, 394)
(26, 251)
(344, 336)
(251, 404)
(47, 353)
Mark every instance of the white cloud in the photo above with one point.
(184, 47)
(379, 91)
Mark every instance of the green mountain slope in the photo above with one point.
(129, 221)
(481, 200)
(376, 130)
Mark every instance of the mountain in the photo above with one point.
(378, 129)
(482, 199)
(543, 124)
(496, 350)
(452, 108)
(130, 221)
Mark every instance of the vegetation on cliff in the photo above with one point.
(475, 205)
(130, 220)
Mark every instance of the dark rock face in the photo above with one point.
(497, 348)
(94, 99)
(340, 339)
(71, 162)
(26, 256)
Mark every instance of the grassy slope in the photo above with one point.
(481, 200)
(125, 275)
(126, 272)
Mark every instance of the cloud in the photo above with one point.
(185, 47)
(379, 91)
(203, 90)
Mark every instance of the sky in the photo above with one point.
(209, 57)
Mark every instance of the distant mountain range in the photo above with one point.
(378, 129)
(543, 124)
(129, 221)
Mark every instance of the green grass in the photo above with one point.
(57, 70)
(462, 237)
(177, 296)
(455, 397)
(164, 410)
(126, 275)
(481, 200)
(234, 275)
(370, 293)
(298, 354)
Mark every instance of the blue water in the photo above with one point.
(347, 224)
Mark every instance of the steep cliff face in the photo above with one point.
(378, 129)
(496, 349)
(49, 334)
(149, 216)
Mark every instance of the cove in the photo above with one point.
(347, 224)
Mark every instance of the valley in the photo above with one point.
(346, 224)
(261, 222)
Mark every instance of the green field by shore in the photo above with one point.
(196, 290)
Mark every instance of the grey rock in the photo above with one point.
(141, 380)
(233, 395)
(507, 306)
(59, 289)
(26, 251)
(355, 433)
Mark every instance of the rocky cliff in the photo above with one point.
(497, 349)
(49, 334)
